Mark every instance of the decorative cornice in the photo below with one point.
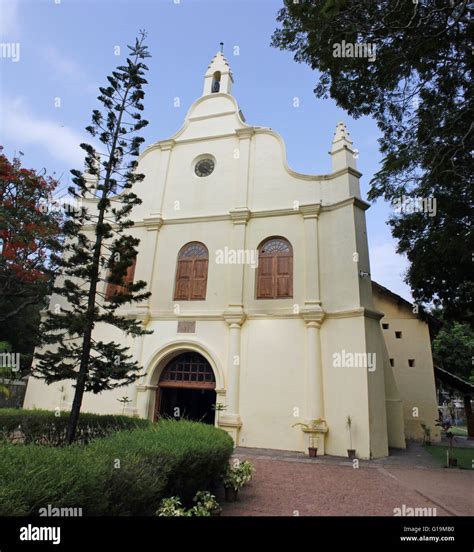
(345, 170)
(136, 313)
(193, 220)
(273, 316)
(240, 215)
(165, 145)
(342, 147)
(154, 222)
(211, 116)
(245, 133)
(311, 210)
(274, 213)
(193, 315)
(353, 200)
(235, 315)
(360, 311)
(230, 420)
(313, 316)
(142, 387)
(244, 214)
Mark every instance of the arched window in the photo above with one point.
(275, 269)
(188, 370)
(191, 272)
(116, 289)
(216, 82)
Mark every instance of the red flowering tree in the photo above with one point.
(30, 229)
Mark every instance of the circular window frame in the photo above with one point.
(203, 157)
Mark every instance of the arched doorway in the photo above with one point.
(186, 389)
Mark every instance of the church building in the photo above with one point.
(262, 308)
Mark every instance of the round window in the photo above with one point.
(204, 167)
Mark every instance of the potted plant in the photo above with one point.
(171, 507)
(205, 505)
(312, 428)
(426, 434)
(446, 427)
(313, 446)
(235, 477)
(350, 451)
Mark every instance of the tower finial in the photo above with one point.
(218, 77)
(342, 149)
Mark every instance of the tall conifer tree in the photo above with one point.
(104, 251)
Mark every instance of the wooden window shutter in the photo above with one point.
(265, 278)
(117, 289)
(191, 272)
(283, 276)
(199, 282)
(183, 279)
(275, 269)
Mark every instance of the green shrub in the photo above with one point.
(45, 427)
(127, 473)
(172, 458)
(31, 477)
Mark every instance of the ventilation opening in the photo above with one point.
(398, 335)
(385, 326)
(411, 362)
(392, 362)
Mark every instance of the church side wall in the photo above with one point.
(345, 387)
(416, 383)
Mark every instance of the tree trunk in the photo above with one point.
(469, 416)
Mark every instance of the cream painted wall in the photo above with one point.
(272, 384)
(284, 347)
(416, 384)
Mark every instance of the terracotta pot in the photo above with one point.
(230, 494)
(351, 453)
(313, 452)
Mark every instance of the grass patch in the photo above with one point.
(464, 456)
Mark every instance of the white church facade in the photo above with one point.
(262, 307)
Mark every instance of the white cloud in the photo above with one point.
(63, 66)
(9, 19)
(21, 128)
(67, 68)
(388, 268)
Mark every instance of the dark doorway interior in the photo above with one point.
(187, 389)
(193, 404)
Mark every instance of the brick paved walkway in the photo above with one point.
(288, 483)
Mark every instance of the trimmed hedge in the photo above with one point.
(128, 473)
(46, 428)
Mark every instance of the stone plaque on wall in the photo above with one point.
(186, 326)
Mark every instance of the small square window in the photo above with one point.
(398, 335)
(385, 326)
(411, 362)
(392, 362)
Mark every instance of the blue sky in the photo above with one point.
(67, 49)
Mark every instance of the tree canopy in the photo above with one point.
(417, 88)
